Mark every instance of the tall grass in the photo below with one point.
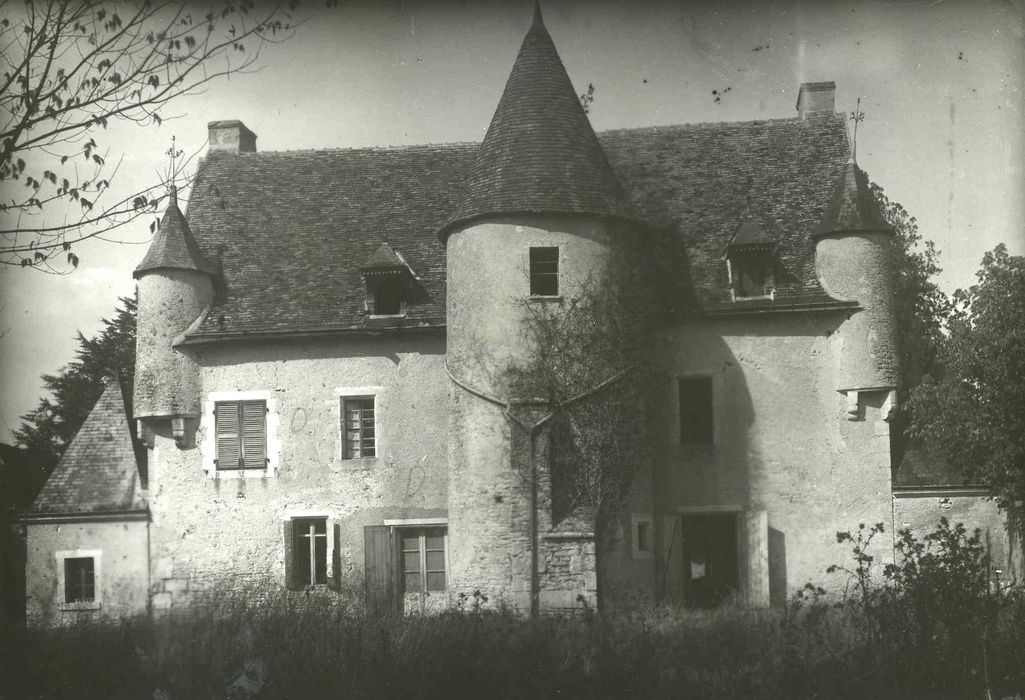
(933, 627)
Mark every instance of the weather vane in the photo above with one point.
(174, 154)
(856, 116)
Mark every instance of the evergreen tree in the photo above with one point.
(46, 431)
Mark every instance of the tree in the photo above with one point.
(46, 431)
(72, 67)
(971, 410)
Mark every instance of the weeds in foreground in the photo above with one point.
(932, 626)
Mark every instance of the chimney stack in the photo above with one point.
(816, 99)
(231, 135)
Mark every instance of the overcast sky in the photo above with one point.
(941, 84)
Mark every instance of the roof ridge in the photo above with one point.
(711, 125)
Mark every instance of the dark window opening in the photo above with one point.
(388, 299)
(309, 551)
(423, 560)
(241, 432)
(642, 537)
(710, 556)
(79, 580)
(358, 429)
(544, 272)
(696, 425)
(751, 275)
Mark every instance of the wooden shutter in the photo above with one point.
(379, 571)
(254, 434)
(229, 443)
(289, 556)
(754, 552)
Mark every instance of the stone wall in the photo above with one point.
(783, 443)
(219, 533)
(920, 510)
(121, 573)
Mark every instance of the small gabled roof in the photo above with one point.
(852, 208)
(99, 471)
(173, 245)
(540, 154)
(386, 259)
(750, 235)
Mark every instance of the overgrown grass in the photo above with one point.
(932, 626)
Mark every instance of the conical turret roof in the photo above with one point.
(540, 154)
(853, 208)
(173, 246)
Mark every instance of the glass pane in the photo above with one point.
(436, 582)
(411, 561)
(435, 561)
(320, 543)
(412, 583)
(435, 541)
(320, 527)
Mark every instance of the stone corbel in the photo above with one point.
(144, 432)
(183, 430)
(852, 404)
(889, 405)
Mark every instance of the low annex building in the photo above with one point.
(315, 392)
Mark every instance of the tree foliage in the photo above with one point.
(971, 410)
(70, 68)
(48, 429)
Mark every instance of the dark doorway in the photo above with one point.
(709, 559)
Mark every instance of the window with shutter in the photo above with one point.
(309, 552)
(241, 428)
(79, 580)
(544, 272)
(359, 434)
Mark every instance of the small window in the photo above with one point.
(388, 299)
(752, 274)
(544, 272)
(643, 537)
(696, 425)
(358, 430)
(241, 429)
(423, 560)
(643, 534)
(79, 580)
(309, 551)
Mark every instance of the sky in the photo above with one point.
(941, 86)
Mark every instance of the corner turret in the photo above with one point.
(174, 287)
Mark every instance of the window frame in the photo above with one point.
(637, 521)
(739, 259)
(535, 276)
(208, 426)
(240, 408)
(311, 556)
(341, 393)
(347, 452)
(62, 557)
(422, 532)
(712, 412)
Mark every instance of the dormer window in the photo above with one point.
(544, 272)
(389, 282)
(750, 259)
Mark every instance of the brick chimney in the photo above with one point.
(231, 135)
(816, 99)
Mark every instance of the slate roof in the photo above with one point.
(99, 471)
(540, 154)
(852, 207)
(751, 234)
(173, 246)
(292, 229)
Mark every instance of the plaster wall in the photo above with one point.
(122, 577)
(225, 534)
(857, 267)
(490, 481)
(920, 510)
(167, 380)
(783, 444)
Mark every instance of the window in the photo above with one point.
(79, 580)
(309, 551)
(423, 560)
(643, 534)
(388, 299)
(544, 272)
(751, 277)
(696, 425)
(358, 430)
(241, 433)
